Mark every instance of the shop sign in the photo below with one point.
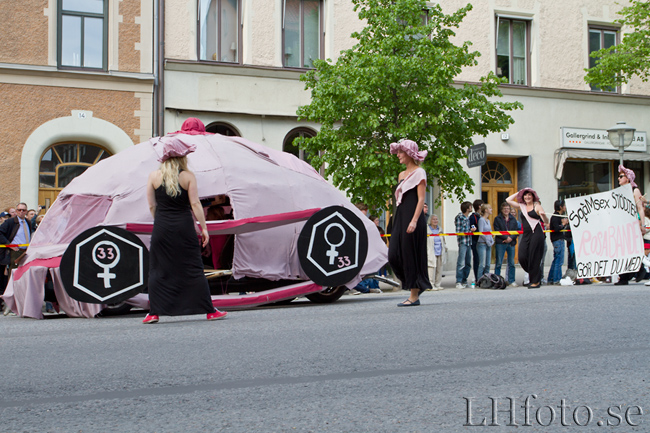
(476, 155)
(597, 139)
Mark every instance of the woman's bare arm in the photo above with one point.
(151, 194)
(195, 202)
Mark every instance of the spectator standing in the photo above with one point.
(435, 247)
(485, 242)
(17, 231)
(464, 263)
(473, 224)
(556, 225)
(505, 244)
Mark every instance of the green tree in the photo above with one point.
(618, 64)
(398, 82)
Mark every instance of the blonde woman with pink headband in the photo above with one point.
(407, 251)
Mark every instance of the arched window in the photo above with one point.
(289, 147)
(496, 172)
(223, 129)
(61, 163)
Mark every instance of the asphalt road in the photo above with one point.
(361, 364)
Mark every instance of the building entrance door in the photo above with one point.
(498, 182)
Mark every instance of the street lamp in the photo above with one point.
(621, 136)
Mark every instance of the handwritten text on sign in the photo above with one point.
(606, 233)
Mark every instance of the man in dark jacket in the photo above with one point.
(505, 243)
(16, 230)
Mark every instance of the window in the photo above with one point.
(219, 25)
(601, 38)
(302, 33)
(82, 33)
(289, 147)
(63, 162)
(589, 177)
(512, 50)
(223, 129)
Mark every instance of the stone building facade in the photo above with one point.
(76, 85)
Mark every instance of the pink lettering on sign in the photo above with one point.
(611, 242)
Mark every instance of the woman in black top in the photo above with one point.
(531, 242)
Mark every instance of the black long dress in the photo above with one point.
(407, 252)
(177, 284)
(531, 248)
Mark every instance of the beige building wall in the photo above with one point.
(24, 29)
(559, 33)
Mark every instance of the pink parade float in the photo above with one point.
(292, 233)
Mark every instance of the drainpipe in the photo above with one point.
(159, 68)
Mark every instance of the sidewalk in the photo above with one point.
(449, 279)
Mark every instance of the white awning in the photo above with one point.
(561, 155)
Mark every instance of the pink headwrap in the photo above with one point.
(410, 148)
(171, 147)
(629, 174)
(192, 126)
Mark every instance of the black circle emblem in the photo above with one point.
(333, 246)
(105, 265)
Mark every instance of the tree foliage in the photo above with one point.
(618, 64)
(398, 82)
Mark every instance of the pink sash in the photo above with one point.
(532, 222)
(411, 181)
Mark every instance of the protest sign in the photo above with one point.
(606, 233)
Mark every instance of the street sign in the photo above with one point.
(477, 155)
(105, 265)
(332, 246)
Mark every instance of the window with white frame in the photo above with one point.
(302, 33)
(600, 38)
(219, 25)
(512, 50)
(82, 36)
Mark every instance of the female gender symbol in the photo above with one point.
(332, 253)
(106, 254)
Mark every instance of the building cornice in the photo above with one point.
(568, 94)
(233, 69)
(38, 75)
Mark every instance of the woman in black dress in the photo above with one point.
(177, 284)
(531, 243)
(407, 250)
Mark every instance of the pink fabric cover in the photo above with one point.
(259, 181)
(411, 149)
(239, 226)
(412, 181)
(172, 147)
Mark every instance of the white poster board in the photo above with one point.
(606, 233)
